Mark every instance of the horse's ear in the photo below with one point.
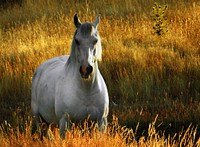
(77, 22)
(97, 20)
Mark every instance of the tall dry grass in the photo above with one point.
(115, 136)
(146, 74)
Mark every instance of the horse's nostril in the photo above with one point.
(85, 71)
(89, 69)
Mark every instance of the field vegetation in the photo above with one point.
(153, 80)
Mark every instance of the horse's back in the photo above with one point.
(48, 67)
(43, 86)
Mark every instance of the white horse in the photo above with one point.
(70, 89)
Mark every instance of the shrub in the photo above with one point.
(160, 20)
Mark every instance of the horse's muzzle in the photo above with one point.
(85, 71)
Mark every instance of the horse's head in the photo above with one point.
(87, 45)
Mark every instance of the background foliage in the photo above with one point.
(147, 75)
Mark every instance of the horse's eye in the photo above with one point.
(95, 41)
(77, 42)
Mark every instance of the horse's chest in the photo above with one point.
(80, 105)
(85, 108)
(91, 109)
(86, 112)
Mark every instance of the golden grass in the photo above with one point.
(143, 72)
(115, 136)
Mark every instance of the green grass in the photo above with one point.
(146, 75)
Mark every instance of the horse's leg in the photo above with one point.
(102, 124)
(44, 127)
(53, 128)
(64, 125)
(37, 122)
(47, 130)
(44, 130)
(105, 122)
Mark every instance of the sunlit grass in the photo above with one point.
(85, 135)
(146, 74)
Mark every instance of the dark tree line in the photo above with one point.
(6, 3)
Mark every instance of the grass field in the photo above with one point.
(148, 76)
